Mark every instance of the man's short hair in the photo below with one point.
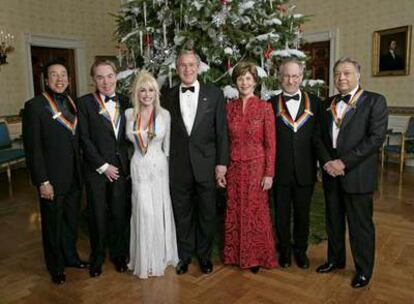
(100, 62)
(53, 62)
(347, 59)
(292, 60)
(187, 51)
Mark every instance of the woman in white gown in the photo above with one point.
(153, 244)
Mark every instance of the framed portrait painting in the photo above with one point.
(391, 51)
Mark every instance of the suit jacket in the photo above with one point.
(207, 145)
(52, 150)
(296, 154)
(362, 133)
(391, 63)
(98, 140)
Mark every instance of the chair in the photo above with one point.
(9, 156)
(403, 148)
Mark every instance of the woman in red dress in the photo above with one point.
(248, 237)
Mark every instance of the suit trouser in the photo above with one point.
(358, 211)
(298, 198)
(60, 222)
(108, 217)
(194, 205)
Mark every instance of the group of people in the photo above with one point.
(158, 207)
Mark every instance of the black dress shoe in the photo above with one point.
(120, 265)
(95, 271)
(79, 264)
(329, 267)
(206, 266)
(255, 269)
(359, 281)
(285, 260)
(302, 260)
(58, 278)
(182, 267)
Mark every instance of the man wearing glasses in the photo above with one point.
(296, 113)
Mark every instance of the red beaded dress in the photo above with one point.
(248, 237)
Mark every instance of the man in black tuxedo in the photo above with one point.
(51, 142)
(353, 128)
(102, 132)
(198, 157)
(296, 116)
(391, 60)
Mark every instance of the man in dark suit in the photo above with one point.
(198, 156)
(296, 115)
(353, 128)
(51, 143)
(102, 132)
(391, 60)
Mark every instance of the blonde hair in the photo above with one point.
(144, 78)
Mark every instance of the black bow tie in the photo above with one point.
(295, 97)
(345, 98)
(113, 98)
(185, 89)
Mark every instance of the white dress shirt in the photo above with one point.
(341, 108)
(110, 106)
(188, 105)
(293, 105)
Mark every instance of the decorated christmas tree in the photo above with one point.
(150, 33)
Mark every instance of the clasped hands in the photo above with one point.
(334, 167)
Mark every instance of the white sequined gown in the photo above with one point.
(153, 244)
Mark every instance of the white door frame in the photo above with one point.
(331, 36)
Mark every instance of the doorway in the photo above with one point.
(40, 56)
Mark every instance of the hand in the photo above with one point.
(221, 170)
(221, 176)
(334, 167)
(266, 183)
(221, 181)
(112, 173)
(46, 191)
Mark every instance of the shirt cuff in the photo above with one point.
(102, 168)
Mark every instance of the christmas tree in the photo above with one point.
(150, 33)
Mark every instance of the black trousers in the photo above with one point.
(60, 222)
(108, 212)
(357, 209)
(194, 205)
(296, 197)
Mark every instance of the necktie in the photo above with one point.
(113, 98)
(185, 89)
(345, 98)
(294, 97)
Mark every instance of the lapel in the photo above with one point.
(351, 112)
(201, 107)
(301, 105)
(177, 109)
(103, 115)
(122, 121)
(329, 117)
(60, 119)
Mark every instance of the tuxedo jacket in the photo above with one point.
(361, 135)
(207, 145)
(296, 155)
(97, 136)
(52, 150)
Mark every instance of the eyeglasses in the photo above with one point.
(293, 77)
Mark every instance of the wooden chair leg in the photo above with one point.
(9, 180)
(402, 156)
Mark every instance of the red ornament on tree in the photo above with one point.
(268, 52)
